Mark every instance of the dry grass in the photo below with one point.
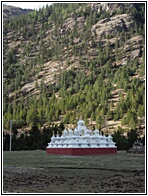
(38, 172)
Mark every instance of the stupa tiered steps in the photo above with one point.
(81, 141)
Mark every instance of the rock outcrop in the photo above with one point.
(112, 25)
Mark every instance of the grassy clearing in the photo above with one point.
(39, 159)
(38, 172)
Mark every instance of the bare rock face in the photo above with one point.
(98, 7)
(111, 8)
(135, 54)
(136, 44)
(135, 41)
(27, 88)
(71, 22)
(112, 25)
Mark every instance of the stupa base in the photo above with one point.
(81, 151)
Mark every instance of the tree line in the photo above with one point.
(38, 140)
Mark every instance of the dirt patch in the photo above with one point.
(80, 180)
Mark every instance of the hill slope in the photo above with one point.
(68, 60)
(12, 11)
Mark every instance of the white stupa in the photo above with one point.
(81, 137)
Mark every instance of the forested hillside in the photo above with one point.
(75, 59)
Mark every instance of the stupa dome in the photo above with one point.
(65, 132)
(76, 131)
(70, 132)
(87, 132)
(96, 132)
(109, 136)
(80, 123)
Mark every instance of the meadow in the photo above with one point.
(38, 172)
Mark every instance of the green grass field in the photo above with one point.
(120, 161)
